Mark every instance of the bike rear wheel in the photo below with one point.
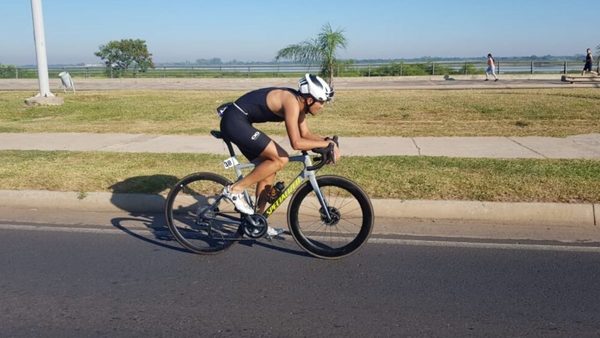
(197, 216)
(345, 231)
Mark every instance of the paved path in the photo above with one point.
(391, 82)
(579, 146)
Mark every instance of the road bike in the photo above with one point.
(328, 216)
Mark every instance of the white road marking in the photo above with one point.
(486, 245)
(372, 240)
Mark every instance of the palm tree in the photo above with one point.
(321, 50)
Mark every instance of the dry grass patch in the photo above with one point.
(520, 112)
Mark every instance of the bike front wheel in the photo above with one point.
(337, 229)
(198, 217)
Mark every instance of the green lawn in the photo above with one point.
(402, 177)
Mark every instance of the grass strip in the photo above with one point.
(400, 177)
(520, 112)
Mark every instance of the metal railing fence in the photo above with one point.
(290, 70)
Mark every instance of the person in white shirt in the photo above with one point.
(491, 67)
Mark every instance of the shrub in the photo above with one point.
(7, 71)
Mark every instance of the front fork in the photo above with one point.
(315, 185)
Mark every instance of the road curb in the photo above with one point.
(504, 212)
(580, 214)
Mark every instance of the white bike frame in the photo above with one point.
(289, 190)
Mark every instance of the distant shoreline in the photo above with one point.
(218, 62)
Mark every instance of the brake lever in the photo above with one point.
(325, 158)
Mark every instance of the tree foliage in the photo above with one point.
(321, 49)
(120, 56)
(7, 71)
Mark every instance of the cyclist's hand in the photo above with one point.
(335, 156)
(336, 153)
(334, 139)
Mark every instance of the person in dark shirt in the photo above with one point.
(272, 104)
(589, 60)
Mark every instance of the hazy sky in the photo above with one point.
(180, 30)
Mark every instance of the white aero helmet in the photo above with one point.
(316, 87)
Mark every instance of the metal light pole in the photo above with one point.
(44, 96)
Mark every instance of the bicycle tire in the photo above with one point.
(336, 238)
(196, 216)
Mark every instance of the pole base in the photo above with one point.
(45, 101)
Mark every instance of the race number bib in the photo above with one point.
(230, 162)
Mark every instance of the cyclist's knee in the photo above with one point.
(281, 162)
(277, 155)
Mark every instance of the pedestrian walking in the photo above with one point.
(589, 60)
(491, 68)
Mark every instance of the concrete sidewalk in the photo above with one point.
(572, 147)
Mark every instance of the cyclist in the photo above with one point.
(272, 104)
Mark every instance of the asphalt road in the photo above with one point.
(62, 281)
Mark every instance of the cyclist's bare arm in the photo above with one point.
(295, 124)
(286, 105)
(305, 132)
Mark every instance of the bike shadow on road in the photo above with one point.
(140, 216)
(144, 216)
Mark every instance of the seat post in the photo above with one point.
(217, 134)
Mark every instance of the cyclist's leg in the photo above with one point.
(272, 159)
(256, 146)
(262, 191)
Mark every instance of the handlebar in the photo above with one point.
(327, 154)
